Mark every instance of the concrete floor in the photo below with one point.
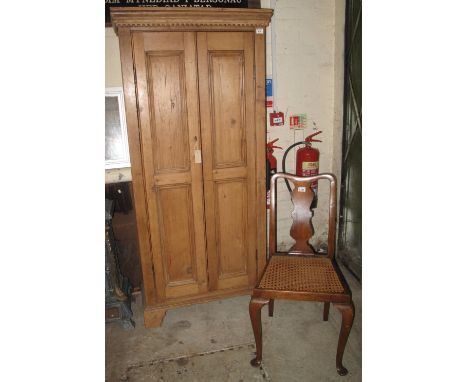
(214, 342)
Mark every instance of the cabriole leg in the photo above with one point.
(255, 311)
(347, 317)
(326, 310)
(271, 307)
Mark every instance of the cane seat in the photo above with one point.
(301, 274)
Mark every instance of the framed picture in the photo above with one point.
(117, 155)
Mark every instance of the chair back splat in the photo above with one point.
(302, 229)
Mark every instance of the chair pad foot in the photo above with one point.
(342, 371)
(255, 363)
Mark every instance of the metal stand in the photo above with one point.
(118, 289)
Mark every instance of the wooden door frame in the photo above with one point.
(125, 21)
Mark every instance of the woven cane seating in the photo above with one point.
(302, 274)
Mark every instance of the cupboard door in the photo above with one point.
(166, 75)
(227, 109)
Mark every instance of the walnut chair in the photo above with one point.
(301, 273)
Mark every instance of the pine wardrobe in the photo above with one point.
(194, 88)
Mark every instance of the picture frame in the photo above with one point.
(116, 151)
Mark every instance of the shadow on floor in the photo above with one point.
(214, 342)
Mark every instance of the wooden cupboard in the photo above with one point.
(194, 87)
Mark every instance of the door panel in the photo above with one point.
(231, 223)
(166, 74)
(176, 216)
(226, 90)
(226, 74)
(167, 100)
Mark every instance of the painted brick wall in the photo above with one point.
(309, 79)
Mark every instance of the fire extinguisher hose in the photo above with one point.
(283, 162)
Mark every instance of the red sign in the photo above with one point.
(294, 120)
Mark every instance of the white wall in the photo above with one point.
(309, 79)
(113, 69)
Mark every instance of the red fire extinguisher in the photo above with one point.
(307, 161)
(271, 166)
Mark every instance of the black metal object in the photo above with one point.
(118, 288)
(121, 195)
(349, 249)
(179, 4)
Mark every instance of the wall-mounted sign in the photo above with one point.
(269, 92)
(298, 121)
(176, 3)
